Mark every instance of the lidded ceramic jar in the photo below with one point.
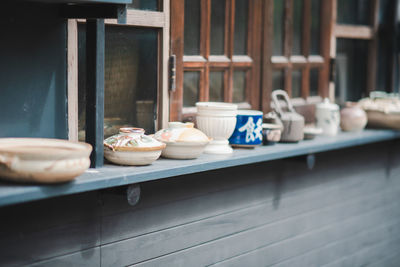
(353, 118)
(327, 117)
(132, 147)
(183, 140)
(217, 120)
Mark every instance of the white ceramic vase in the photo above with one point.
(217, 120)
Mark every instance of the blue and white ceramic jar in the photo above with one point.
(248, 130)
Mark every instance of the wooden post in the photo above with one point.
(95, 89)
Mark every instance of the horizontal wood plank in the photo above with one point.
(353, 32)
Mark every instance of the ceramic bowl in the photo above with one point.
(248, 129)
(217, 120)
(271, 133)
(132, 147)
(183, 141)
(41, 160)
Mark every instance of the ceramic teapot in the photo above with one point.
(293, 123)
(327, 117)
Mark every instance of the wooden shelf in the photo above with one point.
(112, 176)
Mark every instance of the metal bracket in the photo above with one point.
(172, 73)
(133, 193)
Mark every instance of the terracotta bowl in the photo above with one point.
(40, 160)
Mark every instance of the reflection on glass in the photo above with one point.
(192, 27)
(130, 78)
(297, 26)
(241, 22)
(217, 27)
(351, 69)
(314, 82)
(315, 26)
(144, 5)
(216, 92)
(191, 81)
(296, 83)
(278, 27)
(239, 86)
(353, 12)
(277, 80)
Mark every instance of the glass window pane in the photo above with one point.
(191, 80)
(144, 5)
(297, 26)
(314, 82)
(296, 83)
(239, 86)
(351, 69)
(216, 86)
(130, 88)
(279, 6)
(241, 23)
(277, 80)
(192, 27)
(217, 27)
(315, 27)
(353, 12)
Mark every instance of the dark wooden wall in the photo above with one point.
(33, 70)
(344, 212)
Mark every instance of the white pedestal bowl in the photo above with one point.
(217, 120)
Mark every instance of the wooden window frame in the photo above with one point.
(357, 32)
(288, 62)
(135, 18)
(204, 62)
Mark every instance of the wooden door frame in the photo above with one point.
(287, 62)
(228, 62)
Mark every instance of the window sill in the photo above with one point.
(113, 176)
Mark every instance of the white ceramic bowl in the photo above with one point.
(132, 158)
(183, 150)
(217, 120)
(41, 160)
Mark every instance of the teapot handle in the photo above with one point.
(285, 97)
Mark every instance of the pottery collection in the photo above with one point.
(217, 120)
(42, 160)
(183, 141)
(219, 125)
(353, 118)
(248, 129)
(293, 123)
(132, 147)
(327, 117)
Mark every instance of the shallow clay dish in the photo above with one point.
(40, 160)
(132, 147)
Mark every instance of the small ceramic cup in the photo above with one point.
(271, 133)
(248, 130)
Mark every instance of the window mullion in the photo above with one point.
(306, 38)
(288, 43)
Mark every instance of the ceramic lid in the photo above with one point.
(181, 132)
(326, 104)
(132, 139)
(216, 105)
